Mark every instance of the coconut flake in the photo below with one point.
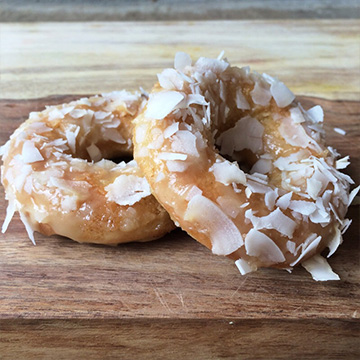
(225, 237)
(28, 227)
(261, 246)
(127, 190)
(193, 191)
(94, 152)
(245, 267)
(113, 135)
(297, 115)
(316, 114)
(319, 269)
(170, 79)
(10, 210)
(262, 166)
(309, 246)
(294, 134)
(227, 173)
(281, 94)
(240, 100)
(162, 104)
(353, 194)
(184, 142)
(275, 220)
(313, 187)
(342, 163)
(30, 153)
(284, 201)
(270, 198)
(216, 66)
(171, 130)
(260, 95)
(304, 208)
(71, 133)
(246, 134)
(78, 113)
(182, 60)
(340, 131)
(334, 242)
(176, 166)
(172, 156)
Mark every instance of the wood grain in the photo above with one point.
(171, 298)
(314, 58)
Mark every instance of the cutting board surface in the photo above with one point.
(174, 282)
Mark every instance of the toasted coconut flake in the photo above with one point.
(30, 153)
(319, 269)
(227, 173)
(162, 104)
(261, 246)
(224, 235)
(275, 220)
(127, 189)
(245, 267)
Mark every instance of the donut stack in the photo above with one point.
(226, 154)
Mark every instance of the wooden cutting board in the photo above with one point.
(172, 298)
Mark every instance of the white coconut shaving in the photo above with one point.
(182, 60)
(245, 267)
(261, 246)
(275, 220)
(246, 134)
(162, 104)
(224, 235)
(94, 152)
(127, 189)
(228, 173)
(319, 269)
(340, 131)
(183, 141)
(30, 153)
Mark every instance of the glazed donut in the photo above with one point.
(289, 204)
(55, 174)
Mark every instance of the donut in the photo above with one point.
(242, 167)
(56, 175)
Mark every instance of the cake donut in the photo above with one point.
(287, 200)
(55, 174)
